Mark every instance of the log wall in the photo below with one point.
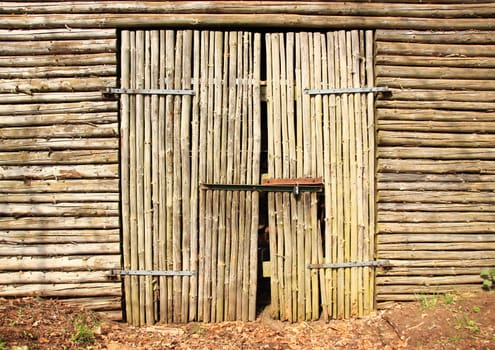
(59, 186)
(436, 163)
(59, 199)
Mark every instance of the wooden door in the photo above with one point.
(314, 132)
(189, 116)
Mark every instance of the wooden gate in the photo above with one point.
(320, 125)
(189, 116)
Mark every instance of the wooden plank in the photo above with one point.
(436, 153)
(421, 139)
(59, 171)
(64, 118)
(428, 271)
(436, 115)
(436, 166)
(59, 236)
(411, 177)
(67, 109)
(49, 97)
(46, 186)
(59, 222)
(59, 157)
(36, 144)
(61, 263)
(437, 37)
(292, 7)
(437, 237)
(444, 129)
(436, 207)
(59, 249)
(56, 34)
(453, 105)
(445, 197)
(435, 95)
(444, 263)
(437, 255)
(141, 20)
(447, 61)
(60, 197)
(438, 246)
(434, 49)
(60, 209)
(61, 130)
(435, 84)
(86, 46)
(62, 60)
(57, 71)
(437, 186)
(62, 290)
(56, 84)
(55, 277)
(431, 281)
(434, 72)
(432, 227)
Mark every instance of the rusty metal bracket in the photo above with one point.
(153, 273)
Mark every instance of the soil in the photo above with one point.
(433, 322)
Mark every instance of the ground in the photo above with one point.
(432, 322)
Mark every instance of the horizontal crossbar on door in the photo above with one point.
(296, 189)
(122, 91)
(350, 264)
(153, 273)
(345, 90)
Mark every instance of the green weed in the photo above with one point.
(84, 333)
(3, 344)
(488, 276)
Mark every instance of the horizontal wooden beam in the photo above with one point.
(253, 19)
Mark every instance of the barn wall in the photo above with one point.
(436, 168)
(59, 202)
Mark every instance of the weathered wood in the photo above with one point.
(434, 49)
(447, 105)
(60, 197)
(46, 186)
(435, 196)
(62, 290)
(433, 207)
(427, 271)
(434, 72)
(438, 246)
(52, 47)
(56, 71)
(432, 227)
(444, 263)
(435, 238)
(68, 84)
(58, 222)
(436, 166)
(433, 61)
(50, 97)
(437, 37)
(436, 115)
(97, 304)
(456, 128)
(56, 34)
(252, 19)
(431, 281)
(59, 236)
(58, 157)
(436, 153)
(408, 177)
(61, 130)
(56, 277)
(37, 144)
(59, 209)
(59, 249)
(51, 119)
(266, 7)
(437, 255)
(437, 186)
(59, 172)
(58, 108)
(59, 59)
(421, 139)
(437, 83)
(435, 95)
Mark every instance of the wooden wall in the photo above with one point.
(59, 201)
(436, 160)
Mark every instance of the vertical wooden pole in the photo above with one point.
(162, 182)
(125, 169)
(185, 174)
(169, 161)
(195, 155)
(177, 181)
(371, 164)
(147, 190)
(274, 291)
(203, 143)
